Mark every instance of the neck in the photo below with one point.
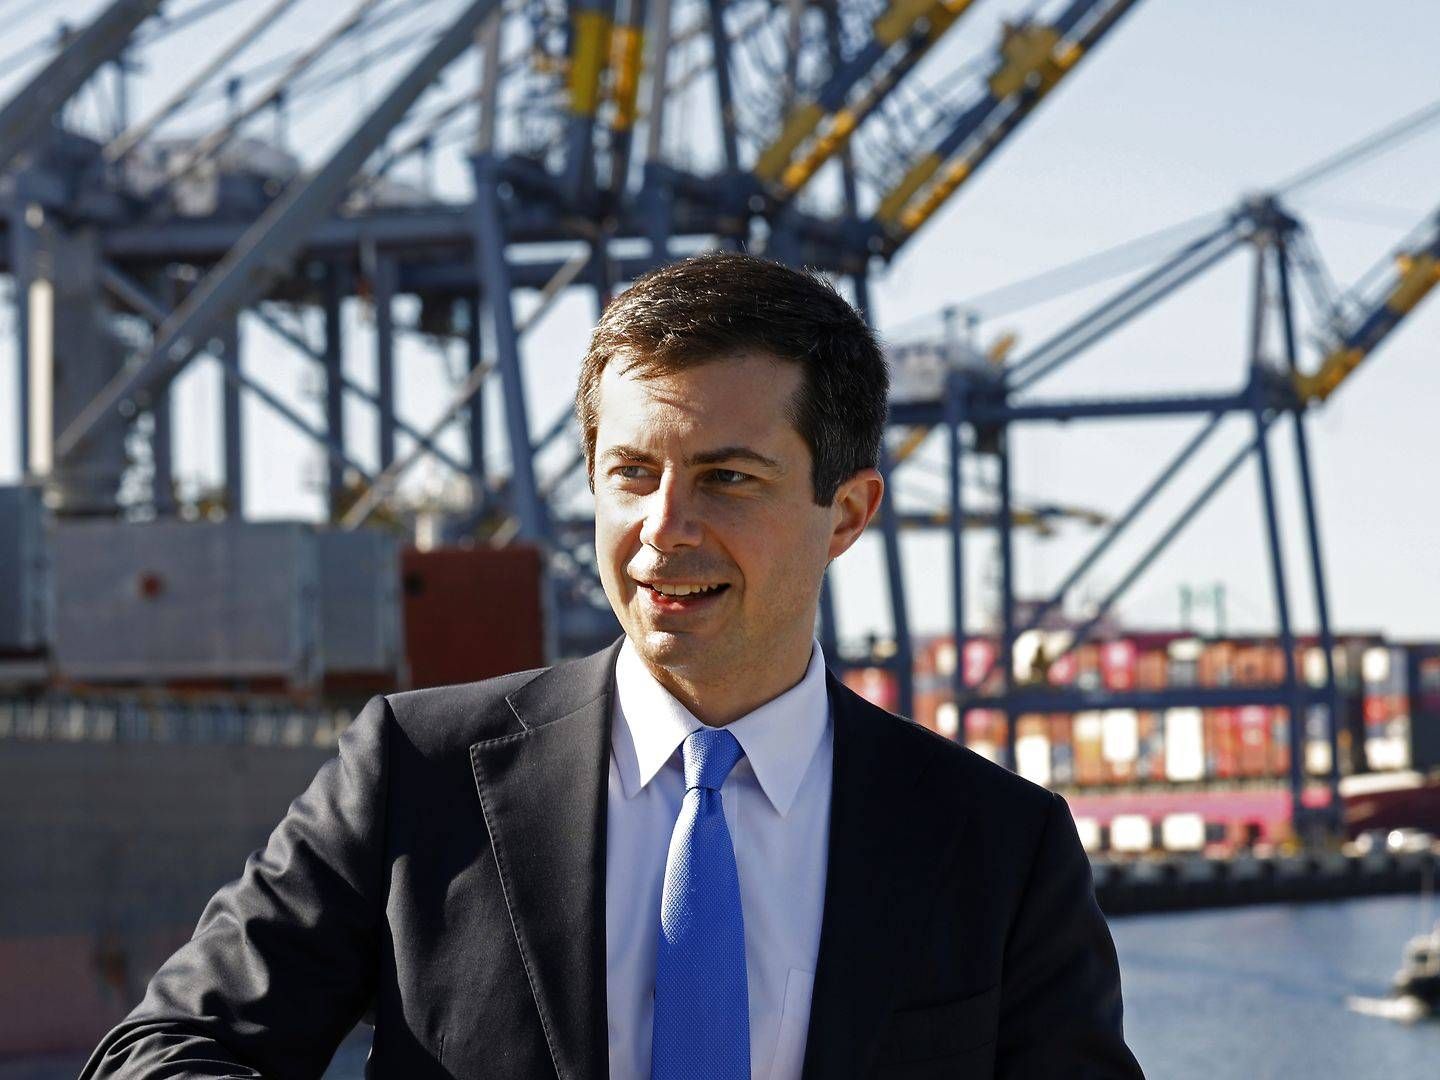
(721, 702)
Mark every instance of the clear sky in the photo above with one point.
(1185, 108)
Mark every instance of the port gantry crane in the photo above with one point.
(134, 250)
(986, 399)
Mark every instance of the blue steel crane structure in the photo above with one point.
(985, 400)
(123, 275)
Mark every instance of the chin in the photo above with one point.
(682, 653)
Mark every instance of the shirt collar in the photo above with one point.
(779, 738)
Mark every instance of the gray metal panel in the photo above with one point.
(24, 571)
(229, 600)
(359, 601)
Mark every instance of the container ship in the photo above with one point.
(1214, 779)
(166, 689)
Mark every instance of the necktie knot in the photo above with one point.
(709, 755)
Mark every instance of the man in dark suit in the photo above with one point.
(695, 853)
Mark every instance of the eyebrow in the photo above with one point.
(704, 457)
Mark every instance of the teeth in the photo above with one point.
(684, 590)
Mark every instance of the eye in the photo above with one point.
(631, 472)
(729, 477)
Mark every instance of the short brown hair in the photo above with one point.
(722, 303)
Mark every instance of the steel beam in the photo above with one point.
(125, 142)
(30, 110)
(1312, 533)
(233, 427)
(265, 252)
(351, 387)
(1047, 700)
(334, 357)
(475, 410)
(495, 274)
(382, 282)
(955, 403)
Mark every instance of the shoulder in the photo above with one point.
(439, 719)
(954, 775)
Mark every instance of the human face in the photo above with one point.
(702, 481)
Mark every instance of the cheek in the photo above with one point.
(612, 536)
(786, 553)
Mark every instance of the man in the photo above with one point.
(695, 853)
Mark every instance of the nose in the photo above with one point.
(670, 517)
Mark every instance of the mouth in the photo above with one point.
(681, 596)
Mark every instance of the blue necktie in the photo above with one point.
(702, 1010)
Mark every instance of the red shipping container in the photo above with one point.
(1280, 742)
(927, 708)
(471, 613)
(980, 658)
(1253, 724)
(875, 685)
(1216, 666)
(1380, 709)
(1117, 664)
(1223, 757)
(1150, 669)
(1064, 669)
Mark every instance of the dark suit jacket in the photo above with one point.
(444, 875)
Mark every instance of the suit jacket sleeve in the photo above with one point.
(282, 964)
(1060, 997)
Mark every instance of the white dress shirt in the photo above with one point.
(777, 807)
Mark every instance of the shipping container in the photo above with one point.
(1064, 670)
(471, 613)
(1216, 664)
(1151, 669)
(1182, 657)
(947, 719)
(25, 571)
(1062, 750)
(875, 684)
(1032, 749)
(1221, 745)
(980, 657)
(187, 603)
(1184, 744)
(1423, 679)
(1117, 664)
(1150, 764)
(1088, 735)
(1120, 744)
(1253, 737)
(1087, 667)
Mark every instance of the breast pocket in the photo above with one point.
(955, 1029)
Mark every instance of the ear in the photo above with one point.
(856, 501)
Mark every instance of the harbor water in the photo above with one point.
(1264, 992)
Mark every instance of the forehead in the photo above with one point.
(742, 397)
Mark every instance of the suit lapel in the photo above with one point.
(543, 793)
(890, 838)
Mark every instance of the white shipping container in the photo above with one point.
(1088, 727)
(988, 750)
(1032, 758)
(1089, 830)
(1183, 832)
(1120, 740)
(947, 719)
(1130, 833)
(1184, 744)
